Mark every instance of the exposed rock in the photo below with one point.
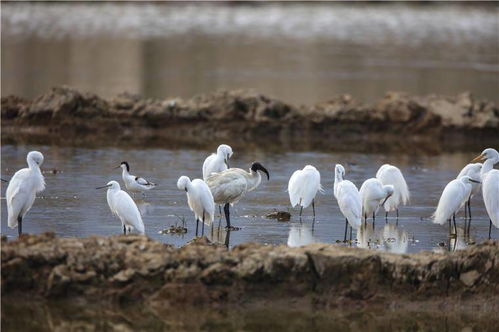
(244, 116)
(138, 268)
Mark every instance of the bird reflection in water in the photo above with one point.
(219, 234)
(144, 207)
(390, 238)
(300, 235)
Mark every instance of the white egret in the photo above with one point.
(373, 194)
(217, 162)
(123, 206)
(303, 186)
(229, 186)
(452, 199)
(200, 200)
(473, 171)
(22, 189)
(348, 198)
(490, 185)
(134, 184)
(391, 175)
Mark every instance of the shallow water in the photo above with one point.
(300, 53)
(71, 206)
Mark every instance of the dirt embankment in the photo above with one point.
(134, 268)
(68, 115)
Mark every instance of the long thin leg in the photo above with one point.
(469, 221)
(220, 209)
(197, 226)
(20, 226)
(449, 229)
(202, 226)
(313, 207)
(124, 229)
(466, 211)
(227, 238)
(374, 219)
(397, 214)
(227, 214)
(490, 227)
(301, 210)
(365, 219)
(454, 219)
(346, 225)
(351, 235)
(386, 217)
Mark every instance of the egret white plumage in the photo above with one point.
(303, 186)
(490, 185)
(229, 186)
(200, 200)
(217, 162)
(134, 184)
(391, 175)
(348, 198)
(123, 206)
(452, 199)
(473, 171)
(22, 189)
(373, 194)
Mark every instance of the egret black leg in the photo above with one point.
(469, 208)
(220, 209)
(197, 226)
(124, 229)
(346, 229)
(365, 219)
(490, 227)
(386, 217)
(20, 226)
(397, 214)
(351, 235)
(313, 207)
(454, 219)
(301, 210)
(227, 214)
(374, 219)
(202, 226)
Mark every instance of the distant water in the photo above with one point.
(71, 206)
(301, 53)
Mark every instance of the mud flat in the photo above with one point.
(135, 269)
(431, 123)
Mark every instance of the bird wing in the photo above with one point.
(227, 186)
(349, 202)
(205, 197)
(295, 181)
(127, 210)
(389, 174)
(143, 181)
(19, 195)
(490, 192)
(453, 197)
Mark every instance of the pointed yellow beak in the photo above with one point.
(479, 158)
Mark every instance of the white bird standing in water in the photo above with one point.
(453, 198)
(123, 206)
(229, 186)
(373, 194)
(22, 189)
(134, 184)
(391, 175)
(217, 162)
(200, 200)
(473, 171)
(490, 185)
(303, 186)
(348, 198)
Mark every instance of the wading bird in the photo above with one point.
(373, 194)
(123, 206)
(22, 189)
(473, 171)
(303, 186)
(217, 162)
(229, 186)
(200, 200)
(391, 175)
(134, 184)
(490, 185)
(348, 198)
(452, 199)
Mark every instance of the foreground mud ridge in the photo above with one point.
(123, 269)
(68, 115)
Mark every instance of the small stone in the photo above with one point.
(469, 278)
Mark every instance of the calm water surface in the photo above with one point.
(71, 206)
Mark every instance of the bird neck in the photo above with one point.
(33, 165)
(125, 172)
(254, 178)
(487, 166)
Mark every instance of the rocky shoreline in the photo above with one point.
(136, 269)
(431, 123)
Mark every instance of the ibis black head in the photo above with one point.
(256, 166)
(126, 164)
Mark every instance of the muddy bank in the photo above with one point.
(131, 269)
(430, 123)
